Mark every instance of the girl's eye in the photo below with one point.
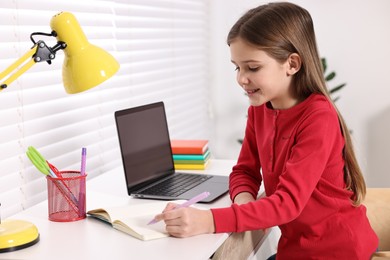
(252, 69)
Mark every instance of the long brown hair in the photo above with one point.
(284, 28)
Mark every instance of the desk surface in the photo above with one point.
(93, 239)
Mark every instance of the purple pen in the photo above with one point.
(188, 203)
(83, 160)
(82, 182)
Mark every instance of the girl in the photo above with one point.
(296, 143)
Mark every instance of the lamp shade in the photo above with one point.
(85, 65)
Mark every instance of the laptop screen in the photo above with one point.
(144, 142)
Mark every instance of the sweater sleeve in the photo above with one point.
(245, 176)
(317, 135)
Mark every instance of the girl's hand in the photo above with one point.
(186, 222)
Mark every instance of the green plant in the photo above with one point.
(328, 77)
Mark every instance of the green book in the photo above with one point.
(192, 157)
(189, 161)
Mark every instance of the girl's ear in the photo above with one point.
(294, 64)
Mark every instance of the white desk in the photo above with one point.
(93, 239)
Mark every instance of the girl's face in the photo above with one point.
(262, 77)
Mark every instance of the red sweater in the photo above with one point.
(299, 152)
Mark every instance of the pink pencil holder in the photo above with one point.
(66, 196)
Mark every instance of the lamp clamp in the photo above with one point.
(46, 53)
(43, 53)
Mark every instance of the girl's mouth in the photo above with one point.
(252, 91)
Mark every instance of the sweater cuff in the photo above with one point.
(224, 220)
(240, 189)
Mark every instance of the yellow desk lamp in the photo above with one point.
(85, 66)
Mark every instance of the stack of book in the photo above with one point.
(190, 154)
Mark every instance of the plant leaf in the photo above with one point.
(335, 99)
(330, 76)
(324, 64)
(337, 88)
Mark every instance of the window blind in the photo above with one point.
(162, 48)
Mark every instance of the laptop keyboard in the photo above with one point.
(178, 184)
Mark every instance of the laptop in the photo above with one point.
(148, 162)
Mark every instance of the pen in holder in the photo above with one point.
(66, 196)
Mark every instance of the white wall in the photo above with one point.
(354, 37)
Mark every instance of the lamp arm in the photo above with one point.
(15, 65)
(39, 53)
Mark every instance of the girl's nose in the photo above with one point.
(242, 79)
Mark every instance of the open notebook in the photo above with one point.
(134, 219)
